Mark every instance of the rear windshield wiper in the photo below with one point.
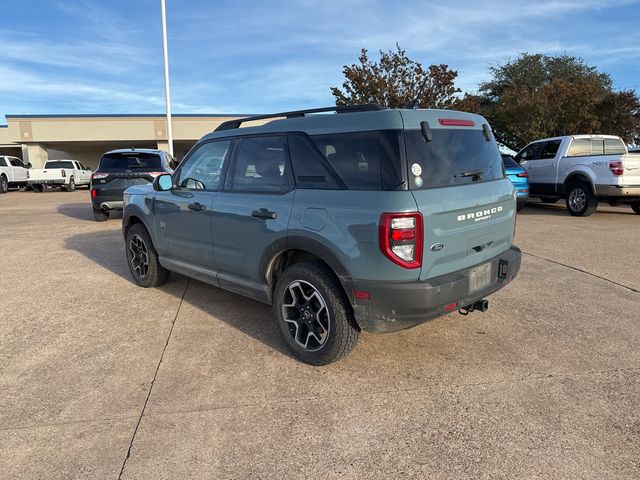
(476, 174)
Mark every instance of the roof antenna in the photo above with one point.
(412, 105)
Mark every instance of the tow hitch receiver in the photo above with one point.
(480, 305)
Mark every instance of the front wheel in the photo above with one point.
(4, 184)
(313, 314)
(636, 208)
(581, 202)
(142, 258)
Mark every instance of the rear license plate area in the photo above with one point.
(479, 277)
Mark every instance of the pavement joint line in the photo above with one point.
(395, 390)
(153, 380)
(635, 290)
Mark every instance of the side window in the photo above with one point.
(613, 146)
(203, 169)
(308, 164)
(261, 165)
(531, 152)
(580, 147)
(16, 163)
(3, 163)
(597, 147)
(550, 149)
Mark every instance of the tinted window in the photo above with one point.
(597, 147)
(16, 163)
(580, 147)
(203, 169)
(2, 162)
(530, 152)
(613, 146)
(364, 160)
(128, 161)
(550, 149)
(309, 167)
(449, 155)
(261, 165)
(510, 162)
(59, 165)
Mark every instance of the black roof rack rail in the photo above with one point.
(367, 107)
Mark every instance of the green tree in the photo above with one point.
(538, 96)
(394, 82)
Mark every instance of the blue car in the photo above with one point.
(519, 177)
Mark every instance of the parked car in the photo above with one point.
(582, 169)
(13, 173)
(634, 150)
(66, 174)
(323, 217)
(519, 177)
(120, 169)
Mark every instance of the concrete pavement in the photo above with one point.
(101, 379)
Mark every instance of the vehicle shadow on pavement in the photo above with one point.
(559, 210)
(252, 318)
(82, 211)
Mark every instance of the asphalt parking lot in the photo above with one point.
(101, 379)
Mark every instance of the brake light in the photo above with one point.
(94, 193)
(401, 238)
(617, 168)
(523, 175)
(97, 176)
(456, 122)
(64, 174)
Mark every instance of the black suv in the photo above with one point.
(120, 169)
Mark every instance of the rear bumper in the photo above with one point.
(618, 190)
(396, 306)
(47, 182)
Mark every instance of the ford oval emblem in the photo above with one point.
(436, 247)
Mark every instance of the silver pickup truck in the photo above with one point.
(582, 169)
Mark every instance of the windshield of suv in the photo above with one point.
(452, 157)
(126, 161)
(59, 165)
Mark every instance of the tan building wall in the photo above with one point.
(87, 137)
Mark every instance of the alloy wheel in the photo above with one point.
(138, 256)
(306, 314)
(577, 199)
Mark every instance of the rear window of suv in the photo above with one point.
(450, 158)
(126, 161)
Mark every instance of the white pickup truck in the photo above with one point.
(582, 169)
(66, 174)
(13, 173)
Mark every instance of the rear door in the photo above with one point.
(467, 204)
(252, 213)
(183, 215)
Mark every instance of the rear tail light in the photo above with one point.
(523, 175)
(94, 193)
(64, 174)
(97, 176)
(28, 175)
(401, 238)
(617, 168)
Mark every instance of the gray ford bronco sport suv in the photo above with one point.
(365, 219)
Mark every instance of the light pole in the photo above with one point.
(167, 94)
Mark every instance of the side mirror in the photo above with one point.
(29, 165)
(163, 183)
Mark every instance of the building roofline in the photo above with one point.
(136, 115)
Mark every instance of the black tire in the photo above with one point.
(636, 208)
(581, 202)
(71, 186)
(314, 284)
(37, 188)
(100, 215)
(138, 247)
(4, 184)
(520, 206)
(549, 200)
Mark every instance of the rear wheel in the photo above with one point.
(100, 215)
(581, 202)
(38, 188)
(71, 186)
(636, 208)
(313, 314)
(4, 184)
(142, 258)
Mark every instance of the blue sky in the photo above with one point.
(91, 56)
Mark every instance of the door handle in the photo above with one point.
(264, 214)
(197, 207)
